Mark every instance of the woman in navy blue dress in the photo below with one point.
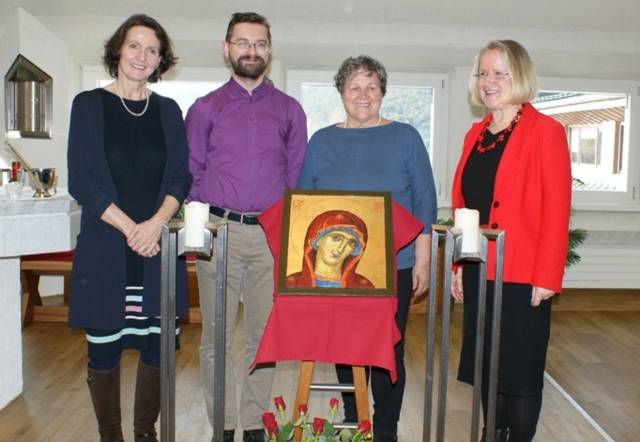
(128, 169)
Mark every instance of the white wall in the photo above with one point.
(10, 348)
(11, 355)
(37, 43)
(8, 52)
(23, 34)
(26, 35)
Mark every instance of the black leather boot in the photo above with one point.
(147, 403)
(501, 435)
(104, 387)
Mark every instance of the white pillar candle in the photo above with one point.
(468, 220)
(195, 216)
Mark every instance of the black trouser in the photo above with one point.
(387, 397)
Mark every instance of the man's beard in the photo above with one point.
(253, 71)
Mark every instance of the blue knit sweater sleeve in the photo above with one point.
(85, 130)
(423, 194)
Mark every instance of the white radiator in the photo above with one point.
(610, 259)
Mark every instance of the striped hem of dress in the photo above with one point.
(136, 324)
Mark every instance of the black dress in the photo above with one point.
(136, 154)
(524, 331)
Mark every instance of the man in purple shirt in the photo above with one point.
(247, 141)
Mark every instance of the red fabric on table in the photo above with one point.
(333, 329)
(55, 256)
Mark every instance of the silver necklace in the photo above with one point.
(139, 114)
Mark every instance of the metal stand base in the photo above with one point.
(453, 254)
(172, 246)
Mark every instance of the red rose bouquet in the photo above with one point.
(280, 429)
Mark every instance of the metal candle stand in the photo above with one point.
(172, 246)
(454, 254)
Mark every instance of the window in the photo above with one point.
(417, 99)
(584, 146)
(190, 84)
(596, 116)
(184, 92)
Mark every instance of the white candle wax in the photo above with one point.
(469, 221)
(195, 216)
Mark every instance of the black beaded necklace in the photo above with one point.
(484, 149)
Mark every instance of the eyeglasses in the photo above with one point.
(497, 75)
(245, 45)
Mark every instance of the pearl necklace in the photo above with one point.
(484, 149)
(346, 124)
(146, 105)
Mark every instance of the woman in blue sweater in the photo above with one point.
(367, 152)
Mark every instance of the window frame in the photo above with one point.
(440, 125)
(597, 144)
(92, 74)
(606, 200)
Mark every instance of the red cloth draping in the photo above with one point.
(333, 329)
(54, 256)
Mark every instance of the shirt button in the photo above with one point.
(496, 204)
(494, 225)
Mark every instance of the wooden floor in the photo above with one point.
(595, 357)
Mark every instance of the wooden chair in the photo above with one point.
(49, 264)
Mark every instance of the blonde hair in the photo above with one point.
(524, 85)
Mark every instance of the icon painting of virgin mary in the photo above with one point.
(333, 245)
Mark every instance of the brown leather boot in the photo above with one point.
(147, 403)
(105, 395)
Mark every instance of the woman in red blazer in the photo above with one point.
(515, 170)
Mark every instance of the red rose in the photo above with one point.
(270, 423)
(333, 403)
(302, 409)
(280, 405)
(318, 425)
(364, 427)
